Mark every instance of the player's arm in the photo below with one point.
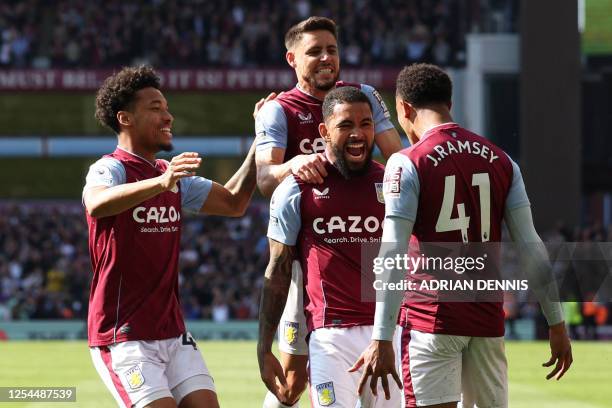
(538, 270)
(273, 298)
(401, 191)
(232, 199)
(271, 170)
(386, 136)
(113, 198)
(388, 142)
(283, 229)
(271, 130)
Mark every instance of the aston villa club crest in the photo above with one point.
(291, 332)
(325, 394)
(134, 377)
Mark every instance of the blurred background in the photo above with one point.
(534, 77)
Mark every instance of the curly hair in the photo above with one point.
(315, 23)
(424, 84)
(118, 93)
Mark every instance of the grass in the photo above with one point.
(234, 367)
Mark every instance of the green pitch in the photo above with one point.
(233, 365)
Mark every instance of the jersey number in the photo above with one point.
(445, 223)
(189, 341)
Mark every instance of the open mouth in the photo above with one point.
(325, 71)
(355, 150)
(166, 131)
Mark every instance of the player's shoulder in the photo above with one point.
(400, 159)
(365, 88)
(287, 190)
(271, 108)
(290, 185)
(108, 161)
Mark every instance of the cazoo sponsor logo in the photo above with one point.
(157, 215)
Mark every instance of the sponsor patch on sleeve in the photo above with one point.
(392, 182)
(382, 103)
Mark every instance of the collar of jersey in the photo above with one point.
(438, 127)
(136, 156)
(299, 88)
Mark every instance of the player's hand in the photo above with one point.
(560, 351)
(273, 376)
(310, 168)
(378, 361)
(181, 166)
(262, 101)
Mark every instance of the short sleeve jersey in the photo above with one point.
(455, 186)
(327, 225)
(134, 254)
(291, 121)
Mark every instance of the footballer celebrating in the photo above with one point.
(134, 205)
(289, 143)
(452, 185)
(322, 226)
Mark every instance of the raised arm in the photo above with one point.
(232, 199)
(103, 201)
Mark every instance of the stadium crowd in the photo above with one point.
(236, 33)
(45, 270)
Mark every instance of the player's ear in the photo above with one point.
(290, 57)
(450, 105)
(124, 119)
(408, 109)
(323, 131)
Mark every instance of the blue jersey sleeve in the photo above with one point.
(401, 188)
(517, 196)
(380, 113)
(194, 192)
(107, 172)
(271, 126)
(285, 215)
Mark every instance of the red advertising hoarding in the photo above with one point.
(13, 80)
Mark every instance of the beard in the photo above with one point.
(323, 85)
(343, 167)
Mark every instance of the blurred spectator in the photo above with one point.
(181, 33)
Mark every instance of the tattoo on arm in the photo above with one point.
(275, 289)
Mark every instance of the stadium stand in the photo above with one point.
(180, 33)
